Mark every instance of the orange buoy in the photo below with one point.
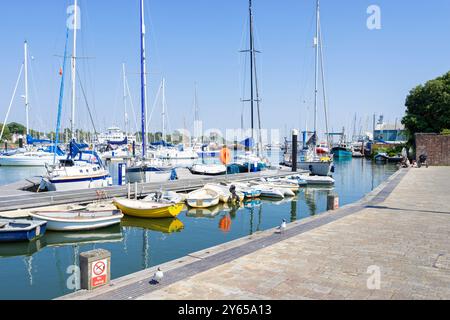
(225, 223)
(225, 155)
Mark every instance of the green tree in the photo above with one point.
(17, 128)
(428, 107)
(6, 132)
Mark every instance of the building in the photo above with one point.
(390, 133)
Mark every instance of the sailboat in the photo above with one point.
(149, 168)
(82, 169)
(32, 156)
(250, 162)
(165, 151)
(317, 164)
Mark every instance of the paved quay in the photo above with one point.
(401, 229)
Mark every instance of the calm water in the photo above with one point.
(38, 270)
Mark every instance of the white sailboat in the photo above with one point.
(149, 168)
(31, 157)
(317, 164)
(82, 169)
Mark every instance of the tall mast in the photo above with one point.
(251, 66)
(163, 109)
(125, 98)
(143, 82)
(316, 67)
(74, 68)
(26, 86)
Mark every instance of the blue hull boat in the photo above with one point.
(341, 153)
(21, 230)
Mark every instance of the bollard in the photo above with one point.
(95, 269)
(294, 149)
(332, 202)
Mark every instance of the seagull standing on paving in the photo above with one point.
(283, 226)
(157, 277)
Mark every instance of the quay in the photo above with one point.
(16, 204)
(392, 244)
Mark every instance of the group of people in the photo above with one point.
(414, 164)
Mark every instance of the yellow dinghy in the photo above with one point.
(147, 209)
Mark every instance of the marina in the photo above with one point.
(139, 244)
(140, 161)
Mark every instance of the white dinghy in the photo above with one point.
(203, 198)
(77, 220)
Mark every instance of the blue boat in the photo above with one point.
(21, 230)
(342, 151)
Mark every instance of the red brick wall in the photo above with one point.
(437, 147)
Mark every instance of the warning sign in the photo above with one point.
(99, 273)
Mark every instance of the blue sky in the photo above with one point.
(367, 71)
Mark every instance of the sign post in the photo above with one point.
(95, 268)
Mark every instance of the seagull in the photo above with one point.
(283, 226)
(157, 277)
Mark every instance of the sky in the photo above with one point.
(199, 41)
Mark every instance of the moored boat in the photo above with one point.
(148, 209)
(203, 198)
(21, 230)
(208, 169)
(77, 220)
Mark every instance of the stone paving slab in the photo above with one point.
(402, 228)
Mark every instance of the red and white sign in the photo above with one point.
(99, 273)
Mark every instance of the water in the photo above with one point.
(39, 270)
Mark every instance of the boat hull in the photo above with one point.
(26, 234)
(76, 184)
(55, 224)
(316, 168)
(148, 175)
(341, 153)
(127, 207)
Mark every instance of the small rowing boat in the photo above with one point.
(203, 198)
(148, 209)
(77, 220)
(21, 230)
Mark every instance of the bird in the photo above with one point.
(283, 226)
(158, 276)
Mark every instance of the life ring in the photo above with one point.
(225, 156)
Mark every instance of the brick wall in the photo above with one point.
(436, 146)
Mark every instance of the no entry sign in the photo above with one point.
(99, 273)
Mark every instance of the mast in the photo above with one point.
(251, 66)
(164, 109)
(125, 98)
(26, 86)
(74, 68)
(316, 72)
(143, 82)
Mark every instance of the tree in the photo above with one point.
(17, 128)
(428, 107)
(6, 132)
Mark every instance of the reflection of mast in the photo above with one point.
(145, 251)
(258, 227)
(293, 210)
(29, 264)
(310, 202)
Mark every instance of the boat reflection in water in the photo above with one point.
(166, 225)
(212, 212)
(105, 235)
(19, 249)
(225, 223)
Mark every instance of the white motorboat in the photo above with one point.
(75, 175)
(173, 153)
(248, 191)
(77, 220)
(208, 169)
(317, 180)
(29, 159)
(268, 191)
(203, 198)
